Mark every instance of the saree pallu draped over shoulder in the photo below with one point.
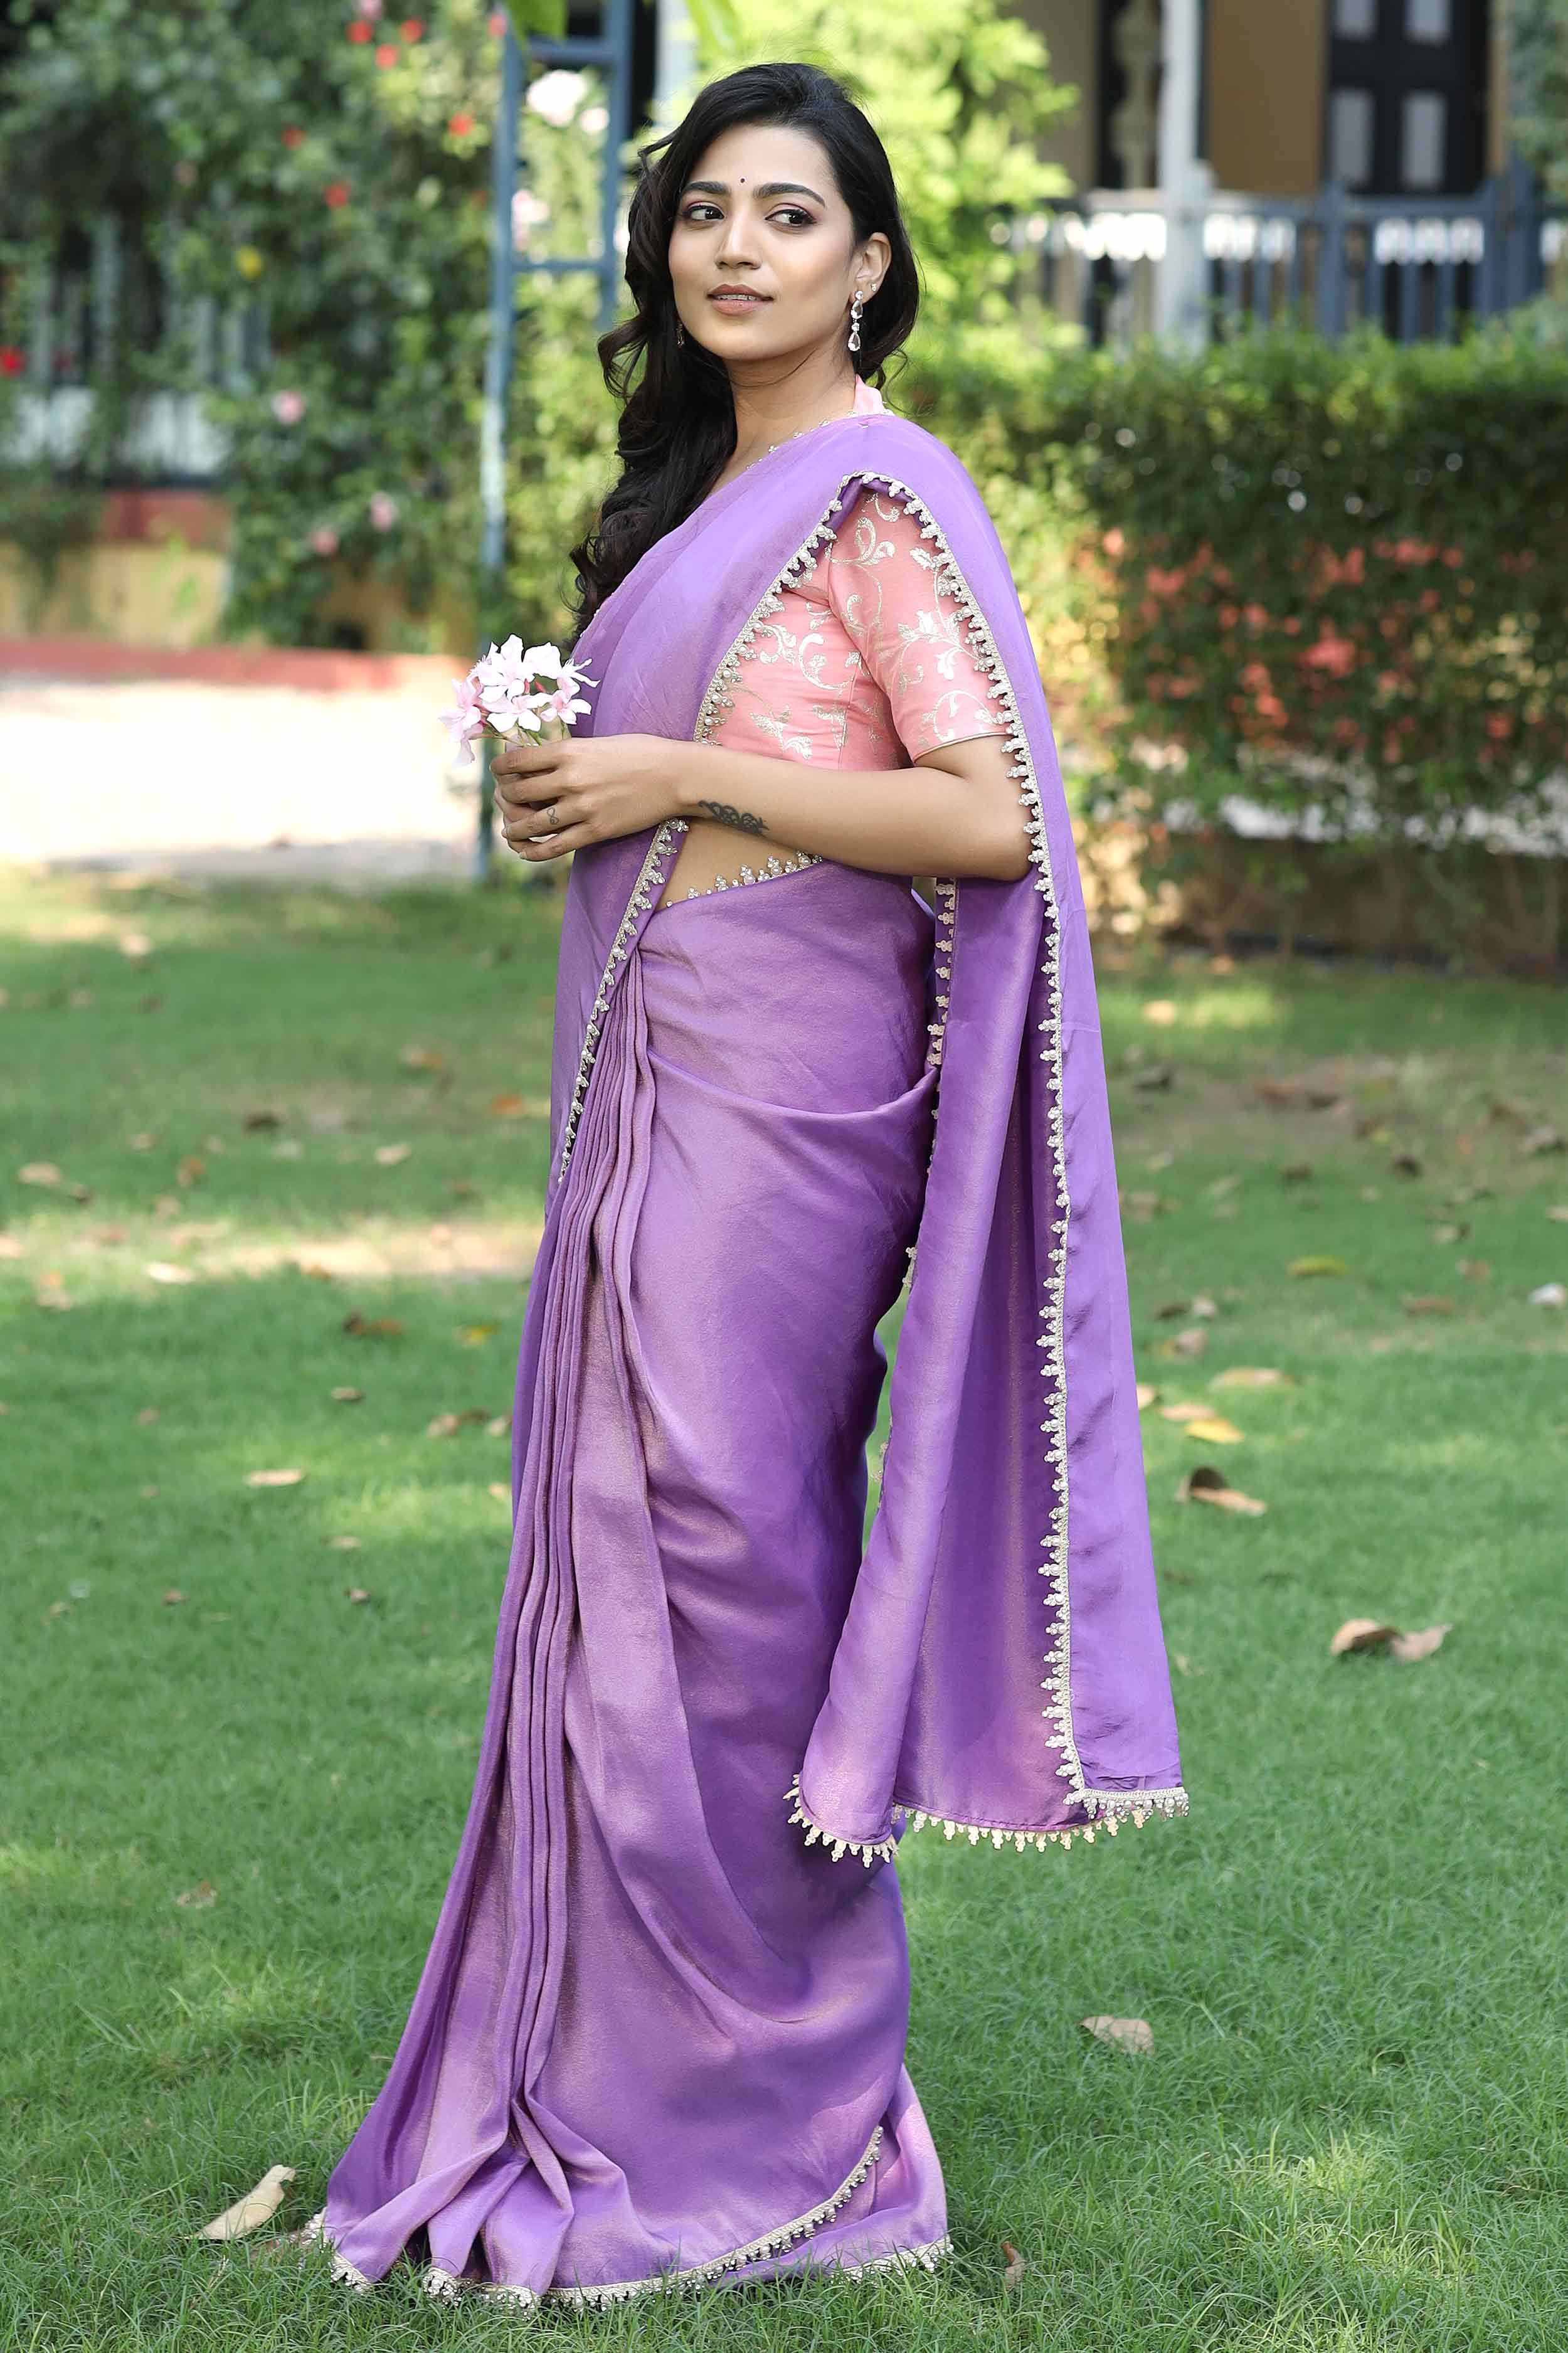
(659, 2035)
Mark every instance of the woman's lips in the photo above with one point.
(738, 302)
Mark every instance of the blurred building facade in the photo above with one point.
(1390, 97)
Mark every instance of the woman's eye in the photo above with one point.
(795, 214)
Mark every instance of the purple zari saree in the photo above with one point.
(659, 2035)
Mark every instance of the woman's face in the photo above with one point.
(762, 210)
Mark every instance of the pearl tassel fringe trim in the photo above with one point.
(1114, 1807)
(440, 2282)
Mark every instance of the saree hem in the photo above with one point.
(1110, 1807)
(437, 2281)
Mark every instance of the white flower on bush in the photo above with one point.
(324, 540)
(557, 96)
(289, 407)
(593, 119)
(528, 211)
(383, 511)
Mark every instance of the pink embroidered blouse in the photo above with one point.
(864, 662)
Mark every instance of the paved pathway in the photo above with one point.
(190, 778)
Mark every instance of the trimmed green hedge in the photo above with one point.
(1334, 575)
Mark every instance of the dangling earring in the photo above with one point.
(679, 334)
(854, 310)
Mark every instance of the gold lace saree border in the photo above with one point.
(1112, 1805)
(439, 2282)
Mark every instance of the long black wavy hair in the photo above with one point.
(678, 428)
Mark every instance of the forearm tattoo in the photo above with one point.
(741, 820)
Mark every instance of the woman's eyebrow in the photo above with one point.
(764, 188)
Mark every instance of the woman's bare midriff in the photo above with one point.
(709, 850)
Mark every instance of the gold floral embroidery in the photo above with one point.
(865, 627)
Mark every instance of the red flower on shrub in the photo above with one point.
(386, 56)
(12, 360)
(412, 27)
(1499, 727)
(1164, 584)
(336, 193)
(1334, 654)
(360, 31)
(460, 125)
(292, 135)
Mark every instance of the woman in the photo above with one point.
(659, 2036)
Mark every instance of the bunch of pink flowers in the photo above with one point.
(513, 691)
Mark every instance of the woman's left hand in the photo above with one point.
(551, 797)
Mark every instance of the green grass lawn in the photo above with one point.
(1351, 2132)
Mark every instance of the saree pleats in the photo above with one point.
(656, 2032)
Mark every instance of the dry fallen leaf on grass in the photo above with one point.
(1361, 1634)
(474, 1335)
(172, 1598)
(191, 1169)
(262, 1118)
(507, 1106)
(346, 1396)
(1427, 1302)
(162, 1270)
(389, 1154)
(1559, 1210)
(1183, 1410)
(500, 1490)
(249, 2212)
(372, 1327)
(1548, 1294)
(358, 1593)
(1473, 1270)
(135, 945)
(1252, 1376)
(422, 1057)
(1205, 1485)
(1126, 2033)
(1158, 1074)
(498, 1426)
(342, 1543)
(9, 1246)
(1215, 1426)
(37, 1172)
(273, 1478)
(1540, 1139)
(1300, 1266)
(147, 1413)
(1370, 1634)
(203, 1893)
(1147, 1394)
(53, 1297)
(1014, 2269)
(1192, 1342)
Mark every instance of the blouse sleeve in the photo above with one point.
(881, 581)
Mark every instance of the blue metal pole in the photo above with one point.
(497, 397)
